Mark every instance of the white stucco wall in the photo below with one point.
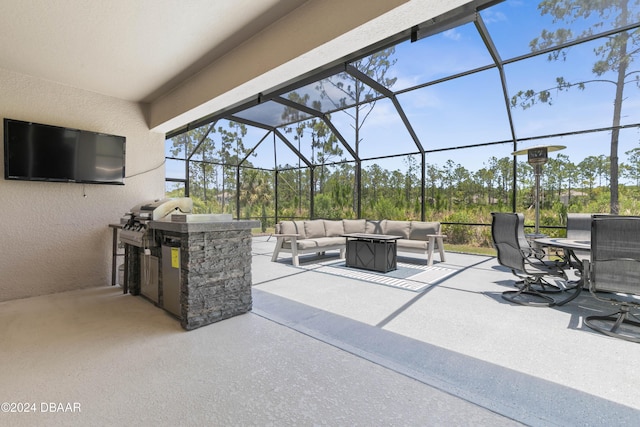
(53, 238)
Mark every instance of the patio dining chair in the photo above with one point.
(613, 275)
(525, 261)
(578, 228)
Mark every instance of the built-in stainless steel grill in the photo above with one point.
(136, 229)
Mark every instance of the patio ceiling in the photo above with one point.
(132, 50)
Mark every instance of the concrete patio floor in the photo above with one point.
(321, 348)
(534, 365)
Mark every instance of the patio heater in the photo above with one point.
(538, 156)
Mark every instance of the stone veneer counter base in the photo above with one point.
(215, 268)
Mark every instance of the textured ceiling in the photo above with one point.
(130, 49)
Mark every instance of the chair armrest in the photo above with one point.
(444, 236)
(286, 235)
(535, 252)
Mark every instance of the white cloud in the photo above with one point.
(452, 34)
(490, 17)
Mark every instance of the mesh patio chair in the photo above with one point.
(613, 275)
(578, 228)
(525, 261)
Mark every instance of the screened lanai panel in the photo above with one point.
(513, 25)
(315, 141)
(202, 146)
(325, 146)
(231, 142)
(251, 147)
(629, 152)
(588, 155)
(177, 146)
(174, 189)
(392, 192)
(184, 146)
(334, 191)
(565, 95)
(175, 169)
(465, 186)
(338, 91)
(262, 144)
(256, 195)
(441, 55)
(293, 193)
(631, 104)
(578, 147)
(197, 143)
(310, 96)
(577, 178)
(463, 111)
(212, 187)
(381, 130)
(285, 157)
(489, 168)
(272, 114)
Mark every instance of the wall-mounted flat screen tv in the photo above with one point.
(37, 152)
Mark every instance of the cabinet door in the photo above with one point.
(171, 280)
(149, 277)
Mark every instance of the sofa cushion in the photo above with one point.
(354, 225)
(326, 242)
(397, 228)
(420, 229)
(374, 226)
(333, 228)
(293, 227)
(314, 228)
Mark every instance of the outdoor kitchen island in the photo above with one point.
(204, 268)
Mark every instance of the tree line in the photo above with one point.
(453, 193)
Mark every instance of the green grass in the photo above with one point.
(467, 249)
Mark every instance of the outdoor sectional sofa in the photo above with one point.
(321, 235)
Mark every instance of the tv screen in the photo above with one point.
(37, 152)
